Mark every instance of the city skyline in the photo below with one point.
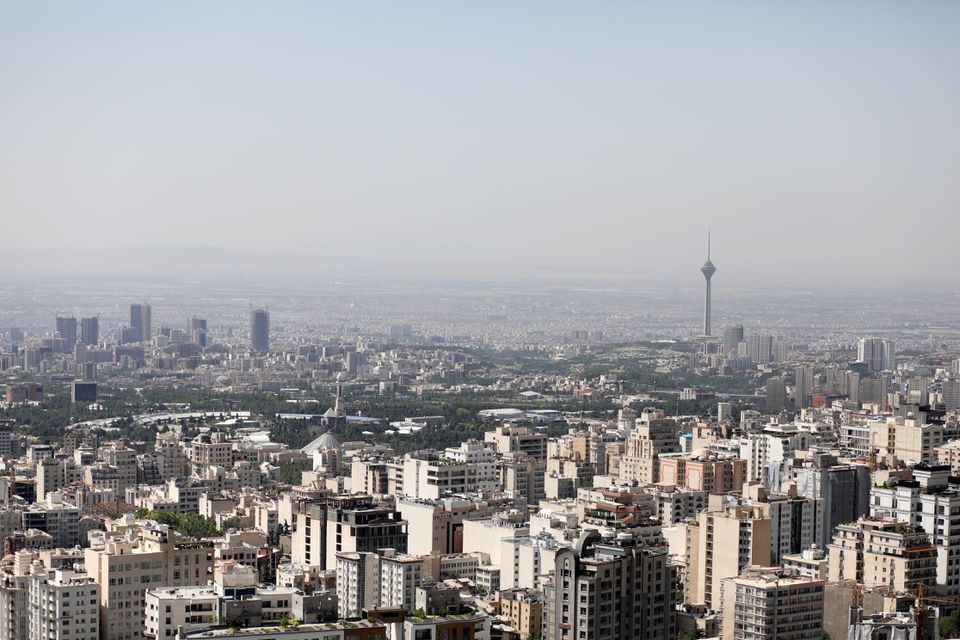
(392, 321)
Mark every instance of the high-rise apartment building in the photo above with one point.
(732, 336)
(133, 556)
(910, 440)
(56, 517)
(760, 349)
(67, 329)
(400, 575)
(345, 524)
(64, 605)
(877, 353)
(436, 526)
(260, 331)
(951, 394)
(610, 589)
(358, 582)
(844, 491)
(140, 322)
(803, 388)
(508, 438)
(929, 501)
(883, 553)
(764, 604)
(90, 330)
(653, 435)
(721, 544)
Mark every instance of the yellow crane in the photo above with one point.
(920, 615)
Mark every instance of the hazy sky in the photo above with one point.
(818, 137)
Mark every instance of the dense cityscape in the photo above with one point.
(333, 320)
(494, 465)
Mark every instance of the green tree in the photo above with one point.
(950, 624)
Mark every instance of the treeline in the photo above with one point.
(192, 525)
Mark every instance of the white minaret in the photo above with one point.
(707, 270)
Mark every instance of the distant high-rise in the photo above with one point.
(776, 391)
(260, 330)
(67, 328)
(198, 331)
(760, 349)
(951, 394)
(90, 330)
(804, 386)
(877, 353)
(140, 321)
(732, 337)
(707, 270)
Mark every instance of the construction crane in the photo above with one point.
(920, 615)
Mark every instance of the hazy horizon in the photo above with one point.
(816, 141)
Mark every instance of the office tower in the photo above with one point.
(67, 329)
(804, 386)
(852, 386)
(198, 331)
(260, 330)
(83, 390)
(90, 330)
(140, 321)
(609, 589)
(877, 353)
(707, 270)
(760, 349)
(90, 371)
(776, 390)
(762, 603)
(731, 338)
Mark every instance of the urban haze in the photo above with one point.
(493, 321)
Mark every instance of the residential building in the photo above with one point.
(885, 553)
(610, 589)
(653, 435)
(764, 604)
(64, 605)
(720, 544)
